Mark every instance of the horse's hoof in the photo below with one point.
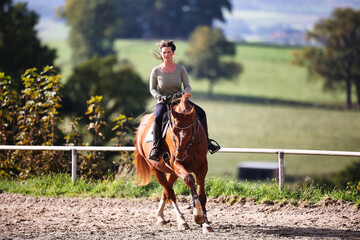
(199, 219)
(183, 226)
(207, 229)
(161, 222)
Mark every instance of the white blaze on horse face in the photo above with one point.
(182, 136)
(181, 141)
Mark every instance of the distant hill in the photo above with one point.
(322, 7)
(274, 21)
(278, 21)
(46, 9)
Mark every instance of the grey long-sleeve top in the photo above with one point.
(166, 84)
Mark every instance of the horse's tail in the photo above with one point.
(143, 171)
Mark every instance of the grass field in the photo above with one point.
(271, 105)
(61, 185)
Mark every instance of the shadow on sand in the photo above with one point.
(313, 232)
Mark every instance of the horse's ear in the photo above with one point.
(192, 110)
(185, 103)
(186, 97)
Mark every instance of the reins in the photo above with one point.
(144, 112)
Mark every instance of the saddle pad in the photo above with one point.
(150, 134)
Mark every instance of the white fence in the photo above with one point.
(279, 152)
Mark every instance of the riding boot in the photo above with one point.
(213, 146)
(156, 150)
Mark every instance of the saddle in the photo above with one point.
(164, 126)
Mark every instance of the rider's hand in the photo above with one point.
(163, 99)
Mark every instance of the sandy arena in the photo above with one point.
(27, 217)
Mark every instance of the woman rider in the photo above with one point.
(165, 81)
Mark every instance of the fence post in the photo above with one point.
(73, 164)
(281, 170)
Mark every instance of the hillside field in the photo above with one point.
(271, 105)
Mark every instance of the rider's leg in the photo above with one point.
(213, 148)
(155, 153)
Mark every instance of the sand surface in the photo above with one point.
(27, 217)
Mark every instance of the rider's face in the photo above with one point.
(167, 53)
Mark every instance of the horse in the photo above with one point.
(185, 148)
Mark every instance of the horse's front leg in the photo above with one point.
(198, 213)
(168, 193)
(200, 179)
(197, 209)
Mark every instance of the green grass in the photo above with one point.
(268, 73)
(242, 114)
(63, 60)
(61, 185)
(256, 126)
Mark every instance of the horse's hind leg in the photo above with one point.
(160, 211)
(171, 178)
(168, 193)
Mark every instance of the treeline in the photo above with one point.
(337, 61)
(95, 26)
(31, 117)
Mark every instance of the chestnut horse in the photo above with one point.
(186, 145)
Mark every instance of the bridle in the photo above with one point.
(194, 133)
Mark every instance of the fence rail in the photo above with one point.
(280, 153)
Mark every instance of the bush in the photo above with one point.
(349, 176)
(31, 118)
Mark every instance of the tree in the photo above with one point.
(19, 46)
(177, 19)
(337, 61)
(207, 47)
(122, 89)
(96, 24)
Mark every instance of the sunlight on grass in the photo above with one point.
(268, 77)
(58, 185)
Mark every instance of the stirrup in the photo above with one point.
(215, 144)
(153, 156)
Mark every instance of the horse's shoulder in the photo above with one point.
(148, 118)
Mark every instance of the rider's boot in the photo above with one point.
(213, 146)
(155, 152)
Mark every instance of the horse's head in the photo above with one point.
(183, 118)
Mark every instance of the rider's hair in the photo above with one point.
(156, 54)
(169, 43)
